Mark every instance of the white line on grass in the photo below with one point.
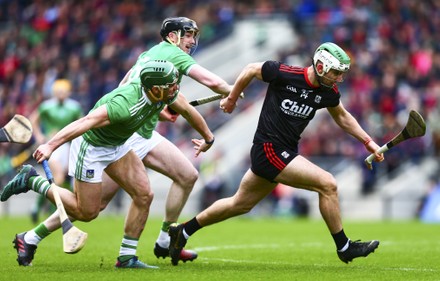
(258, 246)
(207, 260)
(276, 246)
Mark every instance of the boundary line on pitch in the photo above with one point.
(276, 246)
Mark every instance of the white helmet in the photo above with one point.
(332, 56)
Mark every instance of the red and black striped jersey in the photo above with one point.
(291, 102)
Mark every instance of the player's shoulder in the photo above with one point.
(52, 102)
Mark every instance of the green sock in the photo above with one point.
(125, 258)
(39, 184)
(42, 231)
(166, 226)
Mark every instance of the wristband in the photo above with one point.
(367, 141)
(210, 142)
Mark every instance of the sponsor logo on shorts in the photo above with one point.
(285, 154)
(90, 174)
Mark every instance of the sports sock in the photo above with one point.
(128, 248)
(166, 225)
(341, 240)
(37, 234)
(164, 238)
(39, 184)
(191, 227)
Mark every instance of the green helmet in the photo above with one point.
(158, 73)
(332, 56)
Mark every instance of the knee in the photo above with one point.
(143, 198)
(88, 215)
(188, 179)
(328, 185)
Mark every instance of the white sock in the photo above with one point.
(128, 246)
(163, 239)
(32, 238)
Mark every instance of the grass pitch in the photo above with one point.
(242, 249)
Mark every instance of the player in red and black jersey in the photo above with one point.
(293, 96)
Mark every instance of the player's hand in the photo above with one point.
(42, 153)
(227, 105)
(200, 146)
(373, 148)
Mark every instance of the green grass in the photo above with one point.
(239, 249)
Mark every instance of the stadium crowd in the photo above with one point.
(393, 44)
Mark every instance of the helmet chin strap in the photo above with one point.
(178, 38)
(156, 97)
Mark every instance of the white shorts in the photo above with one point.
(61, 155)
(142, 146)
(87, 162)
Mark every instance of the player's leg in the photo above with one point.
(109, 190)
(168, 160)
(129, 172)
(302, 173)
(84, 204)
(81, 205)
(26, 243)
(59, 164)
(252, 190)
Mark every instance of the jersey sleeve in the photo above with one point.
(270, 70)
(116, 112)
(182, 61)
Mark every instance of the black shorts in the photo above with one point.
(269, 159)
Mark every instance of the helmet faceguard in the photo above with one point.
(159, 73)
(180, 26)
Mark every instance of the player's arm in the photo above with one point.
(349, 124)
(196, 120)
(251, 71)
(166, 115)
(95, 119)
(210, 80)
(34, 118)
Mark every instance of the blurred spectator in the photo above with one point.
(214, 185)
(393, 45)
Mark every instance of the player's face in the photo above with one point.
(170, 92)
(187, 42)
(332, 77)
(61, 93)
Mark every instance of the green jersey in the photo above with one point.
(55, 115)
(128, 109)
(162, 51)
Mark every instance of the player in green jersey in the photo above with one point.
(98, 145)
(180, 36)
(50, 117)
